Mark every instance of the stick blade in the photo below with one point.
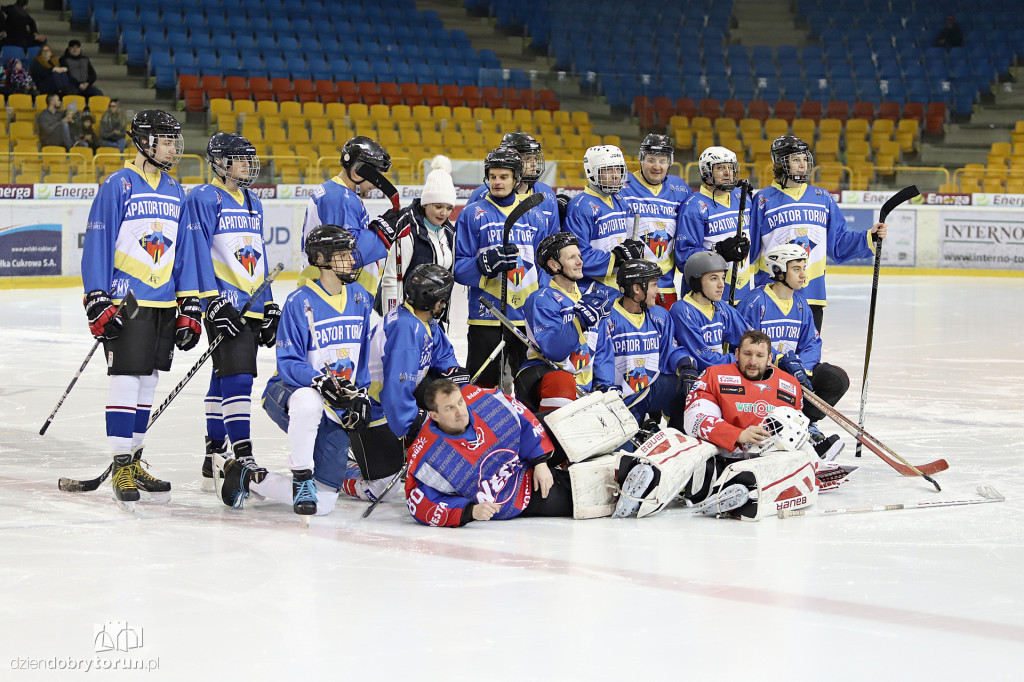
(905, 194)
(990, 493)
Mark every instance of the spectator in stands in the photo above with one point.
(83, 134)
(18, 80)
(112, 127)
(53, 124)
(951, 35)
(21, 27)
(80, 71)
(49, 75)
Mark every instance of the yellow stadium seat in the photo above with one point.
(98, 104)
(830, 127)
(291, 109)
(462, 114)
(22, 130)
(313, 110)
(492, 139)
(613, 140)
(542, 116)
(580, 118)
(336, 112)
(358, 112)
(503, 117)
(857, 129)
(522, 116)
(804, 128)
(440, 113)
(268, 112)
(725, 125)
(39, 103)
(701, 124)
(561, 117)
(857, 150)
(750, 129)
(244, 107)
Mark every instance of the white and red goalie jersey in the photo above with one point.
(723, 402)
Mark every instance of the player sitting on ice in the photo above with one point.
(318, 392)
(569, 328)
(408, 348)
(647, 358)
(780, 310)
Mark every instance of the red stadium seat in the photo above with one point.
(491, 97)
(838, 110)
(511, 98)
(451, 95)
(914, 110)
(282, 88)
(889, 111)
(259, 87)
(734, 109)
(235, 83)
(471, 96)
(348, 92)
(811, 109)
(411, 93)
(369, 94)
(305, 90)
(685, 106)
(786, 110)
(641, 103)
(187, 82)
(936, 109)
(531, 100)
(549, 100)
(710, 108)
(864, 110)
(760, 110)
(194, 101)
(390, 94)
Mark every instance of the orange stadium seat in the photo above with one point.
(348, 92)
(760, 110)
(785, 110)
(811, 110)
(389, 94)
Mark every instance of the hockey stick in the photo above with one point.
(391, 483)
(134, 311)
(987, 492)
(876, 446)
(489, 360)
(213, 346)
(375, 178)
(71, 485)
(524, 206)
(744, 190)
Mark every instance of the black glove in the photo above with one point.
(457, 375)
(599, 300)
(224, 317)
(686, 373)
(417, 426)
(563, 205)
(631, 249)
(733, 249)
(104, 324)
(790, 362)
(268, 328)
(338, 396)
(589, 310)
(390, 227)
(187, 328)
(357, 416)
(498, 259)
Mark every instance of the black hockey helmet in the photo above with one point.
(148, 126)
(657, 145)
(225, 149)
(551, 248)
(361, 149)
(426, 284)
(504, 157)
(783, 148)
(698, 265)
(636, 271)
(326, 240)
(526, 145)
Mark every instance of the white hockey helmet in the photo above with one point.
(777, 259)
(788, 427)
(713, 156)
(605, 167)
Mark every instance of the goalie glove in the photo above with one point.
(104, 324)
(357, 416)
(457, 375)
(790, 362)
(224, 317)
(268, 328)
(338, 393)
(631, 249)
(733, 249)
(391, 226)
(187, 328)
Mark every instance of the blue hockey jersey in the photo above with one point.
(808, 216)
(789, 324)
(701, 330)
(548, 208)
(704, 221)
(644, 348)
(601, 223)
(402, 349)
(658, 208)
(230, 253)
(133, 240)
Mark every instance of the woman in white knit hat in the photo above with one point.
(432, 238)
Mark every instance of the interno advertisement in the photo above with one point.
(990, 240)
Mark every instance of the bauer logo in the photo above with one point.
(16, 191)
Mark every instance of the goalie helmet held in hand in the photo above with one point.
(427, 284)
(788, 428)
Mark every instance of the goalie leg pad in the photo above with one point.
(593, 487)
(595, 424)
(781, 480)
(679, 462)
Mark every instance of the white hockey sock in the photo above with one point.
(147, 391)
(122, 402)
(305, 410)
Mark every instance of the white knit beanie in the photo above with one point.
(439, 188)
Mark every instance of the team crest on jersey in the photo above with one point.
(156, 243)
(516, 277)
(805, 241)
(637, 377)
(247, 256)
(343, 367)
(580, 357)
(704, 208)
(657, 241)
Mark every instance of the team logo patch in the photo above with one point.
(763, 387)
(637, 378)
(726, 379)
(247, 256)
(658, 243)
(156, 243)
(343, 367)
(786, 398)
(580, 357)
(759, 408)
(516, 277)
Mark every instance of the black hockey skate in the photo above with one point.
(146, 482)
(243, 453)
(303, 492)
(212, 447)
(827, 447)
(122, 478)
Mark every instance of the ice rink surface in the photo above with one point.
(198, 591)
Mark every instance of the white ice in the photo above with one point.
(934, 594)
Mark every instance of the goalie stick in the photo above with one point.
(905, 194)
(521, 209)
(132, 312)
(876, 446)
(987, 492)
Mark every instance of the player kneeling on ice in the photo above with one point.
(318, 393)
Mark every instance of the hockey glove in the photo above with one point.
(224, 317)
(391, 227)
(587, 312)
(498, 259)
(563, 205)
(791, 363)
(733, 249)
(357, 416)
(599, 300)
(417, 426)
(686, 373)
(631, 249)
(187, 328)
(457, 375)
(338, 393)
(104, 324)
(268, 328)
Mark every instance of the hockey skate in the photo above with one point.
(827, 447)
(231, 480)
(243, 453)
(637, 481)
(122, 478)
(303, 492)
(207, 484)
(724, 501)
(159, 490)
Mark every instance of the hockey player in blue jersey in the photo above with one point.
(318, 393)
(482, 260)
(647, 358)
(132, 243)
(790, 211)
(601, 220)
(568, 327)
(338, 202)
(227, 219)
(656, 198)
(781, 311)
(532, 154)
(708, 222)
